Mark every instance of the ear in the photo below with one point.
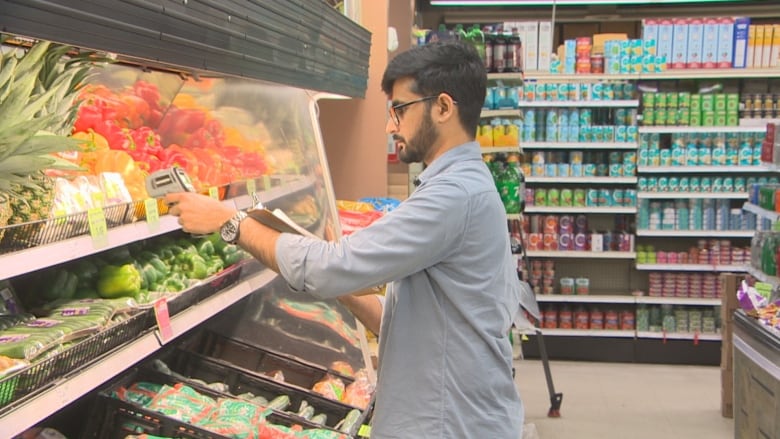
(444, 108)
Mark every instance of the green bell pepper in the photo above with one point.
(232, 254)
(215, 265)
(118, 281)
(193, 266)
(205, 248)
(173, 285)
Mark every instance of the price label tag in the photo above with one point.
(266, 182)
(164, 330)
(214, 192)
(98, 229)
(98, 199)
(152, 214)
(365, 430)
(251, 187)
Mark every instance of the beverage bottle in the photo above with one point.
(514, 53)
(490, 43)
(477, 38)
(515, 239)
(510, 188)
(460, 33)
(499, 51)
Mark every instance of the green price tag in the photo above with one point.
(97, 227)
(266, 182)
(214, 192)
(251, 187)
(97, 199)
(365, 430)
(152, 213)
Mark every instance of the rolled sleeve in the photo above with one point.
(291, 257)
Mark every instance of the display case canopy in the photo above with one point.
(303, 43)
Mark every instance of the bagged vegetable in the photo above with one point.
(330, 387)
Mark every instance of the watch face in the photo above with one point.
(229, 231)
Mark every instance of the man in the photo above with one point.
(445, 361)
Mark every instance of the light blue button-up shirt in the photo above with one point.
(445, 360)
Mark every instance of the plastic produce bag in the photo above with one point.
(356, 215)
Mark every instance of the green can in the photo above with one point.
(720, 102)
(553, 197)
(671, 117)
(695, 118)
(661, 116)
(648, 100)
(707, 118)
(684, 116)
(707, 102)
(695, 102)
(672, 100)
(578, 199)
(648, 116)
(720, 118)
(567, 198)
(540, 197)
(684, 100)
(661, 100)
(732, 102)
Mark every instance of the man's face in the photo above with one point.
(410, 123)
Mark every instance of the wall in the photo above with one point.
(354, 130)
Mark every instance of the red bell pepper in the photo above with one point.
(178, 125)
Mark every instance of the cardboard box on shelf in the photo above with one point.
(774, 60)
(545, 45)
(733, 36)
(679, 43)
(751, 45)
(531, 46)
(759, 46)
(766, 52)
(695, 43)
(665, 36)
(709, 50)
(649, 29)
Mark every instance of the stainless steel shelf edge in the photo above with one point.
(589, 333)
(39, 407)
(678, 336)
(35, 258)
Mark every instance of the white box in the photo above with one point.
(751, 46)
(695, 43)
(665, 36)
(679, 43)
(758, 46)
(709, 49)
(775, 56)
(545, 45)
(596, 242)
(531, 46)
(766, 53)
(650, 30)
(732, 42)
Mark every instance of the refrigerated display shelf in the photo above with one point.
(580, 254)
(761, 212)
(678, 336)
(699, 129)
(581, 180)
(502, 112)
(694, 169)
(589, 333)
(761, 276)
(567, 104)
(579, 145)
(697, 233)
(692, 301)
(688, 195)
(667, 74)
(692, 267)
(29, 411)
(35, 258)
(497, 149)
(582, 209)
(584, 298)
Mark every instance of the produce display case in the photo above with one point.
(257, 75)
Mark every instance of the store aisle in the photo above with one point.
(615, 400)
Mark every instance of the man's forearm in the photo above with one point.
(260, 241)
(366, 308)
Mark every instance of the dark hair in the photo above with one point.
(454, 68)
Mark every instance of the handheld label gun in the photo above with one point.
(166, 181)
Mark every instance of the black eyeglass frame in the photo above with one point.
(396, 115)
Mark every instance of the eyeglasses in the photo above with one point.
(397, 111)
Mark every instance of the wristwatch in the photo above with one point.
(230, 230)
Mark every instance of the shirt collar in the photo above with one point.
(465, 151)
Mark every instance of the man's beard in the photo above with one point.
(418, 147)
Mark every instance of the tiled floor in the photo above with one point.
(626, 401)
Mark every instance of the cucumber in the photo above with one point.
(349, 423)
(280, 403)
(319, 419)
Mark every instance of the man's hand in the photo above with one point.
(198, 214)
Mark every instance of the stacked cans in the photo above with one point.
(696, 285)
(542, 277)
(694, 214)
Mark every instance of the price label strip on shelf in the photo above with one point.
(214, 192)
(98, 229)
(152, 214)
(164, 331)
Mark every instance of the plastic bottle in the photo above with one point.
(499, 43)
(490, 43)
(514, 53)
(477, 38)
(460, 33)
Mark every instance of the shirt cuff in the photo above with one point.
(291, 258)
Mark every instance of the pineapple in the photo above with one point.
(37, 111)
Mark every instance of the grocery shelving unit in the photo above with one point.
(582, 180)
(700, 129)
(700, 169)
(615, 103)
(580, 145)
(697, 233)
(583, 209)
(692, 267)
(580, 254)
(689, 195)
